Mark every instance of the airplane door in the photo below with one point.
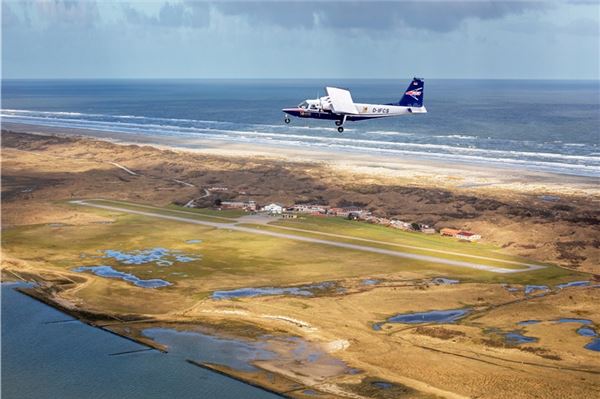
(315, 112)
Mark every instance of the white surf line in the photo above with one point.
(532, 266)
(124, 168)
(425, 258)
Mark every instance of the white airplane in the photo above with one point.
(338, 105)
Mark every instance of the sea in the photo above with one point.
(530, 125)
(47, 354)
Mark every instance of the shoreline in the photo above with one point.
(449, 174)
(149, 344)
(271, 384)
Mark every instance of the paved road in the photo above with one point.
(355, 247)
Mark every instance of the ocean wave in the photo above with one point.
(31, 113)
(587, 164)
(458, 136)
(375, 144)
(388, 133)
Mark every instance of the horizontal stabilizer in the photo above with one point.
(341, 101)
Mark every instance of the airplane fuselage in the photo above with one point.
(364, 111)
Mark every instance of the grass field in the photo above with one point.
(370, 231)
(226, 213)
(463, 255)
(233, 259)
(199, 214)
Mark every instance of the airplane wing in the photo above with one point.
(341, 101)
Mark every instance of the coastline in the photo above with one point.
(268, 380)
(416, 170)
(134, 366)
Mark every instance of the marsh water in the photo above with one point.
(47, 354)
(304, 290)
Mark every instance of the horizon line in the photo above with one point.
(284, 78)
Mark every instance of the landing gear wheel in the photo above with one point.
(341, 129)
(338, 123)
(287, 120)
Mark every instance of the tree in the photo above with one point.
(218, 202)
(415, 226)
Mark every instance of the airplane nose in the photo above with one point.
(290, 111)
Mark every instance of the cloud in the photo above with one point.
(582, 26)
(438, 16)
(172, 15)
(67, 12)
(51, 13)
(9, 18)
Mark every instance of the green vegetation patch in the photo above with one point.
(179, 212)
(358, 229)
(225, 213)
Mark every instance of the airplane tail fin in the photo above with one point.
(413, 96)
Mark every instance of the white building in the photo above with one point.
(399, 224)
(310, 208)
(274, 209)
(246, 205)
(467, 235)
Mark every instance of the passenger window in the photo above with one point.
(313, 106)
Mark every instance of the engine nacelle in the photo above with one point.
(325, 103)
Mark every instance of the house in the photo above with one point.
(245, 205)
(221, 189)
(274, 209)
(399, 224)
(467, 235)
(428, 230)
(310, 208)
(449, 232)
(289, 215)
(348, 212)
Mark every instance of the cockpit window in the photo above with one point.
(303, 105)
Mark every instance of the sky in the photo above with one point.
(540, 39)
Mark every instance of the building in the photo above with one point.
(467, 235)
(449, 232)
(289, 215)
(428, 230)
(349, 212)
(245, 205)
(274, 209)
(310, 208)
(399, 224)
